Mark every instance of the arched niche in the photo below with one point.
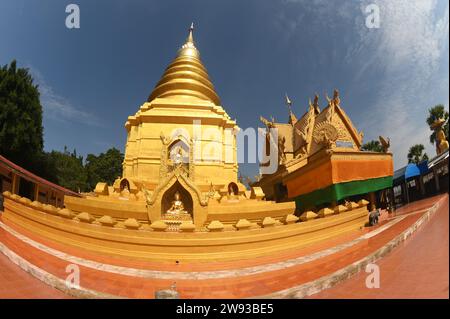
(233, 189)
(124, 184)
(176, 148)
(199, 209)
(169, 196)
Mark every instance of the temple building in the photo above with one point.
(320, 159)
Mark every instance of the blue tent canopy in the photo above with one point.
(409, 171)
(423, 167)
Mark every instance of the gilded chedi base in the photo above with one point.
(159, 244)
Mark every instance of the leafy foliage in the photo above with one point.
(21, 132)
(21, 138)
(70, 171)
(105, 167)
(435, 113)
(373, 146)
(416, 154)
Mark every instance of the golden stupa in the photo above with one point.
(182, 106)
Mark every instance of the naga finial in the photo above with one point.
(328, 99)
(336, 99)
(385, 143)
(266, 122)
(316, 104)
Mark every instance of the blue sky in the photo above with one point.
(92, 78)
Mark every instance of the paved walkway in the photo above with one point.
(419, 268)
(18, 284)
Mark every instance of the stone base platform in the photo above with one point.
(293, 273)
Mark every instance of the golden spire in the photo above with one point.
(292, 117)
(186, 77)
(190, 36)
(288, 101)
(188, 48)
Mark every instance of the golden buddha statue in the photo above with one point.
(177, 207)
(125, 193)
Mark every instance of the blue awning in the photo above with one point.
(423, 167)
(409, 171)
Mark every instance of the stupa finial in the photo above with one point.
(190, 38)
(188, 48)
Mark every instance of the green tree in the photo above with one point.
(105, 167)
(416, 154)
(70, 172)
(435, 113)
(373, 146)
(21, 132)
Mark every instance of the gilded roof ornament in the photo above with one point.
(288, 101)
(292, 117)
(385, 143)
(316, 104)
(267, 123)
(336, 99)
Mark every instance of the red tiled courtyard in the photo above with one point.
(418, 268)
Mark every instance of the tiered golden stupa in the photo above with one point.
(165, 123)
(179, 197)
(180, 142)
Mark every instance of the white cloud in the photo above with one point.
(410, 47)
(57, 107)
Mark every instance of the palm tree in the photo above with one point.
(435, 113)
(416, 155)
(373, 146)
